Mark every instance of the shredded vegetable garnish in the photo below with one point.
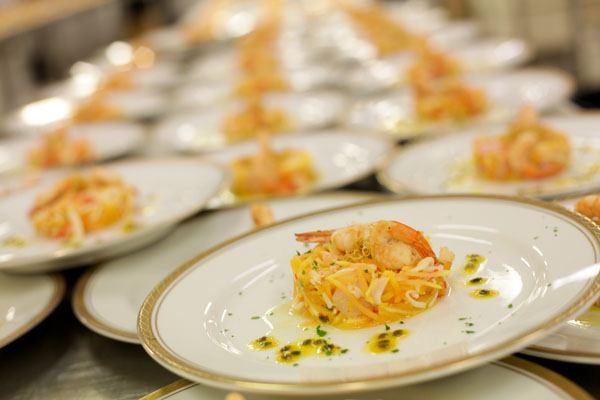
(82, 203)
(368, 274)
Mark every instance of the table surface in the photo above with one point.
(61, 359)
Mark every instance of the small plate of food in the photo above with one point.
(554, 157)
(578, 340)
(25, 301)
(296, 164)
(399, 70)
(349, 300)
(217, 127)
(510, 377)
(449, 104)
(72, 218)
(108, 298)
(71, 146)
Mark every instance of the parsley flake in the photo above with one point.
(321, 332)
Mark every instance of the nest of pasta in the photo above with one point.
(368, 274)
(82, 203)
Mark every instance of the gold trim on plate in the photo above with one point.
(161, 354)
(517, 365)
(59, 291)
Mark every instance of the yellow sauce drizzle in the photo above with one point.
(263, 343)
(385, 342)
(292, 352)
(129, 227)
(476, 281)
(15, 241)
(473, 263)
(483, 293)
(587, 320)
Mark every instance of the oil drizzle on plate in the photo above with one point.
(385, 342)
(476, 281)
(473, 263)
(587, 320)
(15, 241)
(292, 352)
(263, 343)
(483, 293)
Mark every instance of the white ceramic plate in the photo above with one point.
(198, 321)
(199, 131)
(107, 139)
(450, 169)
(578, 340)
(506, 92)
(511, 377)
(108, 298)
(169, 190)
(25, 301)
(339, 158)
(476, 57)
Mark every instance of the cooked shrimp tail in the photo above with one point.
(261, 214)
(315, 236)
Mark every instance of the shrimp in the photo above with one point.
(527, 151)
(590, 207)
(391, 245)
(261, 214)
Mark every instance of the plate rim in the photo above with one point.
(67, 257)
(521, 366)
(94, 323)
(163, 357)
(383, 177)
(60, 285)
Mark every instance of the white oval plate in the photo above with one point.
(506, 92)
(198, 321)
(339, 158)
(108, 299)
(202, 130)
(578, 340)
(25, 301)
(476, 57)
(449, 167)
(107, 139)
(138, 104)
(510, 377)
(169, 190)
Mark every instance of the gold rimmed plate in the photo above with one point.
(510, 377)
(199, 320)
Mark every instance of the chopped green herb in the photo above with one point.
(469, 324)
(548, 285)
(295, 364)
(536, 238)
(320, 331)
(344, 351)
(445, 343)
(297, 252)
(225, 330)
(230, 314)
(306, 244)
(401, 322)
(304, 329)
(366, 271)
(462, 319)
(395, 351)
(256, 317)
(271, 313)
(387, 327)
(331, 264)
(239, 293)
(303, 272)
(510, 305)
(469, 332)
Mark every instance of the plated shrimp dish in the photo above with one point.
(529, 150)
(254, 118)
(82, 203)
(449, 100)
(96, 109)
(56, 149)
(271, 172)
(368, 274)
